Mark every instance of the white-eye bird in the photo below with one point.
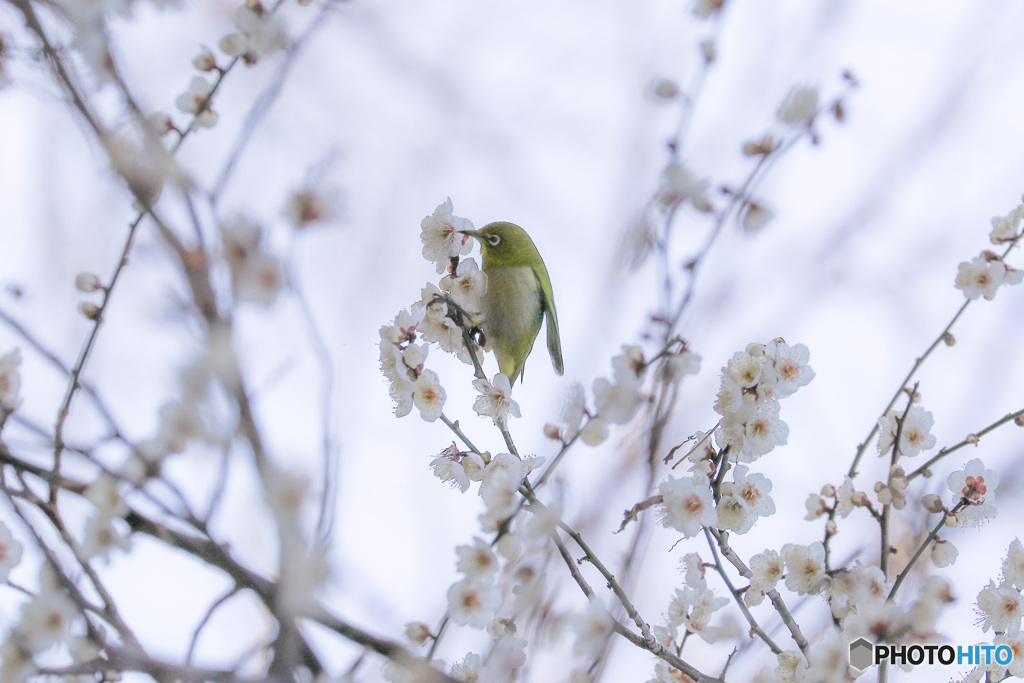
(518, 297)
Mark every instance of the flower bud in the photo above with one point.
(89, 310)
(417, 632)
(205, 61)
(87, 282)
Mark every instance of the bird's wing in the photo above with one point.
(547, 303)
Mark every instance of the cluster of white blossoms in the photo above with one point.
(196, 100)
(983, 275)
(690, 611)
(444, 315)
(753, 382)
(858, 599)
(1000, 606)
(257, 32)
(499, 579)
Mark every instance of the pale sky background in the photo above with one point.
(540, 113)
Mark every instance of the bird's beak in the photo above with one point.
(471, 233)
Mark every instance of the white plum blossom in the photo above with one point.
(180, 422)
(1004, 228)
(440, 236)
(573, 410)
(976, 486)
(799, 108)
(504, 660)
(196, 101)
(10, 552)
(915, 435)
(594, 432)
(45, 620)
(693, 569)
(744, 500)
(477, 560)
(311, 204)
(469, 668)
(1014, 641)
(104, 495)
(756, 216)
(734, 514)
(856, 589)
(468, 287)
(1000, 608)
(762, 433)
(679, 184)
(729, 400)
(847, 498)
(256, 275)
(617, 400)
(765, 571)
(101, 536)
(510, 546)
(450, 469)
(693, 608)
(706, 8)
(805, 567)
(258, 32)
(983, 275)
(791, 667)
(681, 364)
(495, 400)
(499, 489)
(744, 369)
(592, 628)
(543, 520)
(816, 507)
(1013, 565)
(204, 61)
(438, 326)
(473, 601)
(10, 380)
(787, 367)
(687, 504)
(428, 395)
(828, 659)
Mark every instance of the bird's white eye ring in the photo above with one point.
(493, 240)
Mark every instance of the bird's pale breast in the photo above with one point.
(512, 314)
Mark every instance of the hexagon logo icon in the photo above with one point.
(861, 654)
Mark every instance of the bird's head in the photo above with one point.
(505, 244)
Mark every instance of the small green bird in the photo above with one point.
(518, 297)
